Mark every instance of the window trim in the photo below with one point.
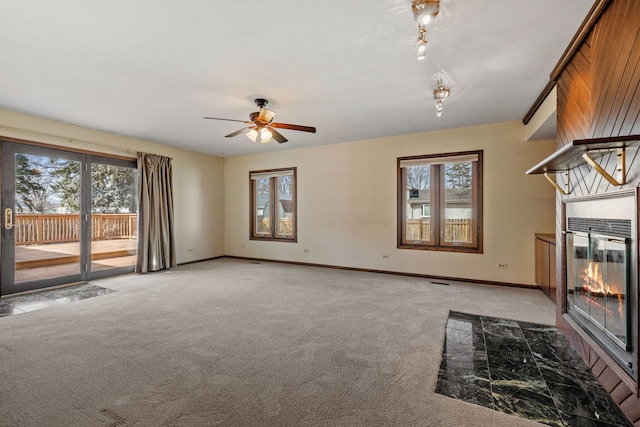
(273, 175)
(437, 197)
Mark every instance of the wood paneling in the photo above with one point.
(631, 408)
(609, 379)
(599, 96)
(546, 264)
(599, 89)
(578, 40)
(616, 55)
(620, 392)
(574, 99)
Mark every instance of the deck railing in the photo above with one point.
(39, 229)
(286, 226)
(455, 230)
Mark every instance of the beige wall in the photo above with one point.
(197, 178)
(347, 204)
(346, 198)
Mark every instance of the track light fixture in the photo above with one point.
(440, 93)
(422, 42)
(425, 10)
(423, 13)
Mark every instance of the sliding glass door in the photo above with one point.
(66, 217)
(113, 209)
(41, 233)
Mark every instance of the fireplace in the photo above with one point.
(601, 272)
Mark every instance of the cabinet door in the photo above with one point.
(540, 248)
(542, 265)
(552, 272)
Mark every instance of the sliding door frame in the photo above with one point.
(8, 150)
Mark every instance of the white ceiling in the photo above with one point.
(153, 68)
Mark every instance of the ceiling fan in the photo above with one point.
(262, 128)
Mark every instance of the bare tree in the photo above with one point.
(262, 185)
(285, 184)
(419, 177)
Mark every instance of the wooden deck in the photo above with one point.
(35, 262)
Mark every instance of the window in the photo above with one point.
(273, 205)
(440, 202)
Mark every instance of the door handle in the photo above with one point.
(8, 219)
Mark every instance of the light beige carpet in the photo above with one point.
(235, 343)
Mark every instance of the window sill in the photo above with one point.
(271, 239)
(461, 249)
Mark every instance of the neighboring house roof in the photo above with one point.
(456, 196)
(287, 205)
(285, 201)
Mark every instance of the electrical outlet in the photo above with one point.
(502, 266)
(385, 256)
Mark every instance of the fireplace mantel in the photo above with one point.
(582, 151)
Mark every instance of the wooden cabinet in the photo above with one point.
(546, 264)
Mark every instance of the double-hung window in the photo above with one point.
(440, 202)
(273, 204)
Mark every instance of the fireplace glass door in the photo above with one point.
(598, 284)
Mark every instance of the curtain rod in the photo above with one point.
(68, 139)
(134, 153)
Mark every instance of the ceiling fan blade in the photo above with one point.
(228, 120)
(293, 127)
(265, 115)
(240, 132)
(277, 135)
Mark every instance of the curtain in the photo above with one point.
(156, 242)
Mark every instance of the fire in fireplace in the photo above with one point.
(598, 282)
(605, 298)
(601, 273)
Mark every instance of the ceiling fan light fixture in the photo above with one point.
(252, 135)
(265, 136)
(265, 115)
(261, 127)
